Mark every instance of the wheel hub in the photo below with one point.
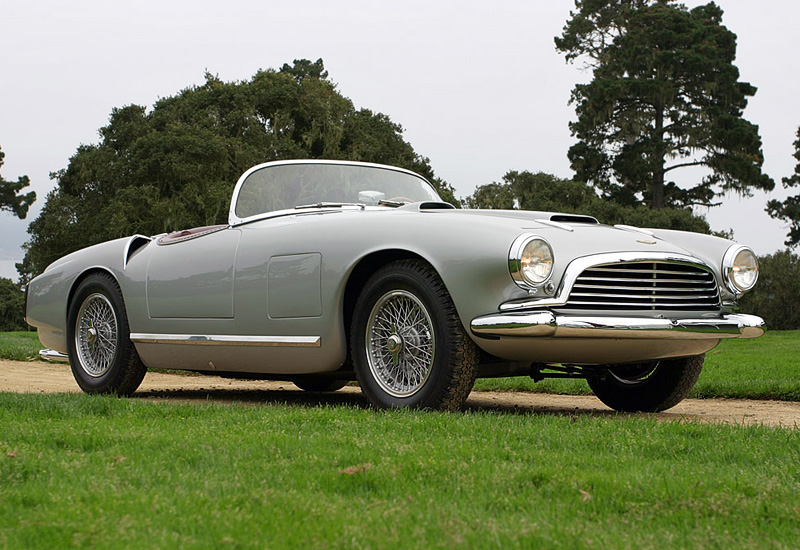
(394, 343)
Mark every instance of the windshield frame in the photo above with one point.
(234, 219)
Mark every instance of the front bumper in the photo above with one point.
(546, 324)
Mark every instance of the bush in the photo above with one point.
(12, 306)
(776, 296)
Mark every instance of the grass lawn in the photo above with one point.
(19, 346)
(78, 470)
(760, 368)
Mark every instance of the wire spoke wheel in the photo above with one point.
(400, 343)
(96, 335)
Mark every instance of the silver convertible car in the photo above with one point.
(335, 271)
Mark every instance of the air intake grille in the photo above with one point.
(645, 285)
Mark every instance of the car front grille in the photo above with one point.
(650, 285)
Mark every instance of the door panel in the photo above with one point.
(194, 278)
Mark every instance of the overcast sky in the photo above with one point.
(477, 85)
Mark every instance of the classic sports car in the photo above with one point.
(333, 271)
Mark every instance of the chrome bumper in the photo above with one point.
(53, 355)
(546, 324)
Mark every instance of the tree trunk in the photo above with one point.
(658, 173)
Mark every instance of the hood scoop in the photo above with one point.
(573, 218)
(428, 205)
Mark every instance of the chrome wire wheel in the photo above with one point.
(400, 343)
(96, 335)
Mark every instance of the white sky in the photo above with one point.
(478, 86)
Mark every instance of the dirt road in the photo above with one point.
(40, 377)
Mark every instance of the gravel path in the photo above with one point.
(41, 377)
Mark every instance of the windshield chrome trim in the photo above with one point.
(578, 265)
(234, 220)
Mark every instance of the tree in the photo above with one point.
(664, 96)
(10, 199)
(12, 306)
(775, 297)
(789, 209)
(174, 166)
(545, 192)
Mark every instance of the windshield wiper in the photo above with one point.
(362, 206)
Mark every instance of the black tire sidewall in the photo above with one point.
(403, 278)
(669, 383)
(113, 377)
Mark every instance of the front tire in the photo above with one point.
(409, 347)
(647, 387)
(101, 354)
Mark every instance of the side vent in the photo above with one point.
(134, 243)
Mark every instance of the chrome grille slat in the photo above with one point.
(643, 305)
(624, 279)
(656, 285)
(684, 297)
(644, 288)
(660, 271)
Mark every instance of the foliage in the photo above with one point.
(333, 477)
(12, 306)
(776, 296)
(789, 209)
(174, 166)
(10, 199)
(664, 95)
(545, 192)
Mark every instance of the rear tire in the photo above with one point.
(101, 354)
(647, 387)
(409, 347)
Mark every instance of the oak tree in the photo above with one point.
(174, 165)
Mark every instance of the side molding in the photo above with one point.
(225, 340)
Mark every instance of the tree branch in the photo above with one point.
(685, 164)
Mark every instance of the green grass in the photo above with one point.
(19, 346)
(762, 368)
(88, 471)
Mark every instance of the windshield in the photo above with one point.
(286, 186)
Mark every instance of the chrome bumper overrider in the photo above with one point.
(53, 355)
(546, 324)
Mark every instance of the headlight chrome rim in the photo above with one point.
(729, 269)
(515, 261)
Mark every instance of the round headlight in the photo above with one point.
(531, 260)
(741, 269)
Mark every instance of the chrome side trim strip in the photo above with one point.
(548, 324)
(225, 340)
(53, 356)
(579, 265)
